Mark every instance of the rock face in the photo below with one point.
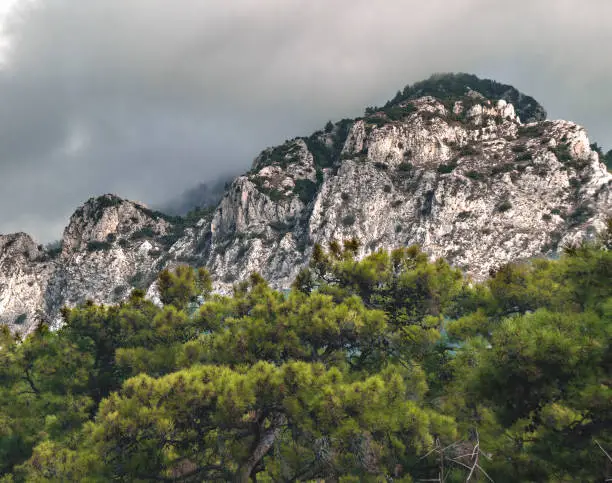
(458, 174)
(110, 246)
(24, 274)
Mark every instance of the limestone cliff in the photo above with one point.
(448, 165)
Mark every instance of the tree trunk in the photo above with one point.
(265, 442)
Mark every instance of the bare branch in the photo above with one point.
(603, 450)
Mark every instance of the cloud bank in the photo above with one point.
(146, 98)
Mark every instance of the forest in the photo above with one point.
(393, 368)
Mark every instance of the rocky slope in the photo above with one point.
(458, 173)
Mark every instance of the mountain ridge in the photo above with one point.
(458, 174)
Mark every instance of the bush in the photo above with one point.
(503, 168)
(562, 152)
(305, 189)
(532, 131)
(377, 120)
(53, 249)
(475, 175)
(447, 168)
(282, 155)
(348, 220)
(138, 280)
(275, 195)
(405, 167)
(387, 188)
(504, 206)
(397, 113)
(94, 246)
(20, 320)
(607, 160)
(575, 183)
(145, 232)
(524, 157)
(468, 150)
(581, 214)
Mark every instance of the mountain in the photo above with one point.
(447, 164)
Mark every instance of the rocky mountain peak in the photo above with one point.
(19, 245)
(447, 164)
(451, 87)
(467, 168)
(107, 219)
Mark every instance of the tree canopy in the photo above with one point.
(390, 368)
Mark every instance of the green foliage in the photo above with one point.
(145, 232)
(447, 168)
(562, 152)
(524, 156)
(535, 130)
(452, 87)
(468, 150)
(183, 285)
(94, 245)
(326, 149)
(20, 319)
(389, 113)
(305, 189)
(348, 220)
(581, 214)
(54, 249)
(502, 168)
(405, 167)
(607, 160)
(282, 155)
(107, 201)
(475, 175)
(504, 206)
(389, 367)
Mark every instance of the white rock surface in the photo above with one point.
(474, 186)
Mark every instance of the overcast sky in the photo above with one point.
(146, 98)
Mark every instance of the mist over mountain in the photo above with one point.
(203, 195)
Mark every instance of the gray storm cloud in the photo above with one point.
(146, 98)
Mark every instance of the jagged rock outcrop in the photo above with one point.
(110, 246)
(24, 273)
(444, 165)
